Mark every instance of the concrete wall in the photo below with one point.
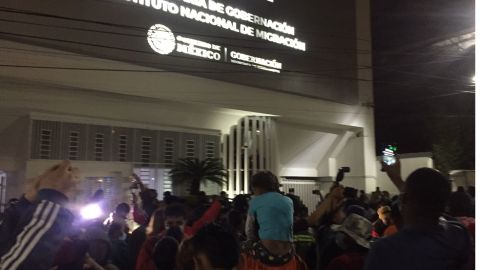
(25, 98)
(301, 150)
(13, 153)
(409, 163)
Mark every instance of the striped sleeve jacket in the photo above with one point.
(31, 233)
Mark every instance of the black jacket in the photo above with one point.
(31, 233)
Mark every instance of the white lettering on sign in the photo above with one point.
(198, 3)
(236, 13)
(208, 18)
(198, 48)
(217, 7)
(272, 37)
(200, 52)
(257, 62)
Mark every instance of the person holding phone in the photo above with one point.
(425, 240)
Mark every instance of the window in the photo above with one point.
(169, 151)
(190, 149)
(122, 147)
(99, 146)
(45, 143)
(210, 149)
(73, 145)
(146, 152)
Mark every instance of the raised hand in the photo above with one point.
(394, 172)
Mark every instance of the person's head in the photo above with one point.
(167, 194)
(165, 253)
(175, 216)
(471, 191)
(215, 248)
(98, 195)
(240, 203)
(350, 193)
(384, 214)
(460, 189)
(152, 193)
(426, 195)
(263, 182)
(378, 189)
(122, 210)
(224, 194)
(460, 204)
(156, 225)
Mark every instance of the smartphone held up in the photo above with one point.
(389, 155)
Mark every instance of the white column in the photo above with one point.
(224, 154)
(254, 148)
(238, 149)
(247, 144)
(261, 143)
(230, 151)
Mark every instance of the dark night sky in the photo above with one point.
(417, 84)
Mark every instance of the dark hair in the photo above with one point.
(175, 210)
(152, 193)
(461, 205)
(240, 203)
(158, 222)
(218, 245)
(123, 207)
(165, 253)
(265, 180)
(428, 191)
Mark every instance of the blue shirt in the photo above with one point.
(274, 214)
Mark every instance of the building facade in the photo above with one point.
(261, 84)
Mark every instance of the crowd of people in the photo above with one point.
(425, 226)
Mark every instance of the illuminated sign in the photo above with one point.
(284, 35)
(162, 40)
(306, 48)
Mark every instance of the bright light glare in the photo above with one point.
(473, 79)
(91, 211)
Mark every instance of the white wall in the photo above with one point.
(352, 156)
(22, 98)
(13, 153)
(409, 163)
(300, 150)
(99, 169)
